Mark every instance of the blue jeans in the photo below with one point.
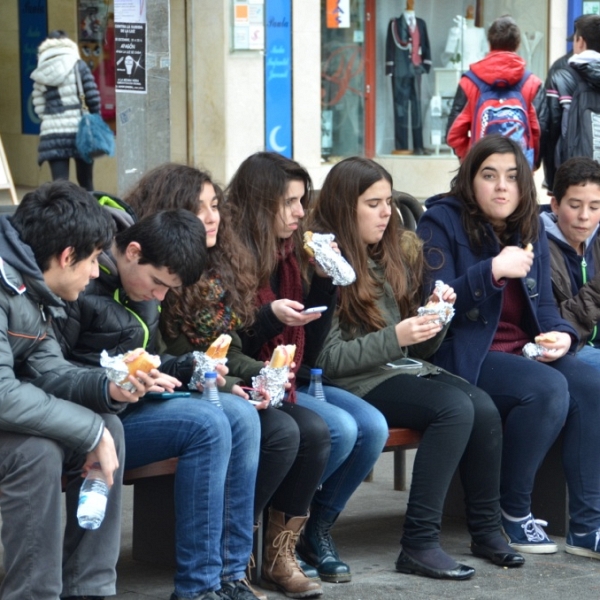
(214, 484)
(590, 355)
(358, 434)
(536, 402)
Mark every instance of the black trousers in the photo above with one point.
(461, 427)
(294, 450)
(60, 170)
(406, 92)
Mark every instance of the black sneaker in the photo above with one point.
(205, 596)
(236, 590)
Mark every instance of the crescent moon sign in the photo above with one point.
(273, 141)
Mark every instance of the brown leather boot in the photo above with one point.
(280, 570)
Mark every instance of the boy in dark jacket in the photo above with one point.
(572, 230)
(217, 448)
(54, 418)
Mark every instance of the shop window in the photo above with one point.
(456, 36)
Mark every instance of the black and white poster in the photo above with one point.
(130, 57)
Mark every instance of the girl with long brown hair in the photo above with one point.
(374, 335)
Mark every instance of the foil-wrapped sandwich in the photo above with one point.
(118, 368)
(205, 362)
(273, 378)
(444, 310)
(318, 246)
(534, 350)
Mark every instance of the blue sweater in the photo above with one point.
(479, 301)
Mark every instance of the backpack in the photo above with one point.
(580, 126)
(501, 108)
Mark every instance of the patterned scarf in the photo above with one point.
(217, 318)
(290, 287)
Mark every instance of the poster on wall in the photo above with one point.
(130, 46)
(591, 8)
(248, 25)
(338, 14)
(33, 29)
(96, 40)
(278, 78)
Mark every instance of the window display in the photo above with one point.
(417, 69)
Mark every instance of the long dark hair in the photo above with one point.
(524, 221)
(399, 251)
(257, 190)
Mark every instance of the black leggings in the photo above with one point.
(60, 170)
(294, 450)
(460, 425)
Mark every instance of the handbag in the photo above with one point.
(94, 137)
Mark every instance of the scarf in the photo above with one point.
(217, 318)
(290, 287)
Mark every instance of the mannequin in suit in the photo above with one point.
(408, 56)
(466, 43)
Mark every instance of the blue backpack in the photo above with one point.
(501, 108)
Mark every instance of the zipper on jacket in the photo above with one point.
(585, 279)
(116, 296)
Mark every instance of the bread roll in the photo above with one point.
(545, 337)
(283, 356)
(219, 348)
(308, 238)
(140, 360)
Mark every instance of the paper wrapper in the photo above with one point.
(203, 364)
(444, 310)
(334, 264)
(116, 370)
(271, 380)
(532, 350)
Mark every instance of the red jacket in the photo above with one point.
(509, 66)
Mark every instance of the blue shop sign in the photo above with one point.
(278, 77)
(33, 29)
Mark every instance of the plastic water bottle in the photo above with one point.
(92, 499)
(316, 384)
(210, 389)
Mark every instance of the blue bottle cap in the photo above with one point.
(316, 371)
(210, 375)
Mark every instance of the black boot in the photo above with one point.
(316, 547)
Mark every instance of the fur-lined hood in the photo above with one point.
(56, 59)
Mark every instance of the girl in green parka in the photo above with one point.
(376, 324)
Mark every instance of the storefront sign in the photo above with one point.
(33, 29)
(278, 77)
(338, 14)
(248, 25)
(130, 46)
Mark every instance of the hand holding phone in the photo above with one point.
(314, 309)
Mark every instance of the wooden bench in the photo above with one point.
(154, 506)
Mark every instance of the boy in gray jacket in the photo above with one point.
(55, 418)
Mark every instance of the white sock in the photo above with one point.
(515, 519)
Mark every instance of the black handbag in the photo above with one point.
(94, 136)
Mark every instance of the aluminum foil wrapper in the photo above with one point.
(444, 310)
(532, 350)
(203, 364)
(334, 264)
(116, 370)
(273, 381)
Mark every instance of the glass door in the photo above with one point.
(342, 78)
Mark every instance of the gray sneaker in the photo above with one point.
(236, 590)
(204, 596)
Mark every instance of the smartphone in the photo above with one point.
(165, 395)
(403, 363)
(314, 309)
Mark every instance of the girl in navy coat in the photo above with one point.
(485, 240)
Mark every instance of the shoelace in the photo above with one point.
(533, 530)
(325, 539)
(597, 542)
(285, 542)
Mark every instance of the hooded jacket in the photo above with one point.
(104, 318)
(560, 86)
(575, 280)
(56, 99)
(496, 65)
(478, 303)
(41, 393)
